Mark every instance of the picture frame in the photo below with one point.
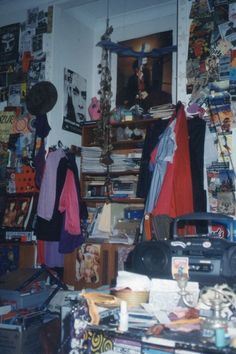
(158, 69)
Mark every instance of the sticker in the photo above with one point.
(179, 266)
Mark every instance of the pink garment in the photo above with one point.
(47, 193)
(69, 204)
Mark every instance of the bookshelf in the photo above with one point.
(127, 139)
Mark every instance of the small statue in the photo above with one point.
(94, 109)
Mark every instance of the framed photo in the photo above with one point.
(18, 212)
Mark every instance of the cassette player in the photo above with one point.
(210, 260)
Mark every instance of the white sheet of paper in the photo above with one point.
(164, 293)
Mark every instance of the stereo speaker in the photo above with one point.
(211, 260)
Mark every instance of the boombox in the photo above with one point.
(211, 260)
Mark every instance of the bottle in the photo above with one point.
(124, 317)
(220, 337)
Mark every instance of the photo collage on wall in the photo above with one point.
(211, 84)
(22, 65)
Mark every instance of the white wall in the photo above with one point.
(184, 7)
(72, 48)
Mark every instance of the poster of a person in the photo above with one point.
(88, 263)
(74, 101)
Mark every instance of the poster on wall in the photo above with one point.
(74, 101)
(32, 17)
(36, 71)
(9, 43)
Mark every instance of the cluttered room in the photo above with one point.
(117, 177)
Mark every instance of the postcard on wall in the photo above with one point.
(221, 181)
(212, 201)
(88, 263)
(37, 44)
(6, 125)
(228, 32)
(74, 101)
(26, 36)
(14, 97)
(226, 203)
(222, 121)
(32, 17)
(36, 71)
(224, 147)
(42, 22)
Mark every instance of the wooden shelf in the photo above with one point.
(114, 199)
(130, 145)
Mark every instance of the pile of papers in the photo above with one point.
(164, 111)
(121, 162)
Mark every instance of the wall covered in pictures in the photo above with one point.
(22, 65)
(211, 87)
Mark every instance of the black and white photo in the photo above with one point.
(74, 101)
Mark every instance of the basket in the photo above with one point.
(133, 298)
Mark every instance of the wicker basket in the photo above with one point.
(133, 298)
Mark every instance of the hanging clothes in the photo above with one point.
(197, 133)
(68, 243)
(54, 229)
(47, 194)
(152, 135)
(52, 256)
(69, 204)
(50, 230)
(160, 157)
(176, 196)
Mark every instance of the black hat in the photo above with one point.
(41, 98)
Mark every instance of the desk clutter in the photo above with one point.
(142, 315)
(139, 315)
